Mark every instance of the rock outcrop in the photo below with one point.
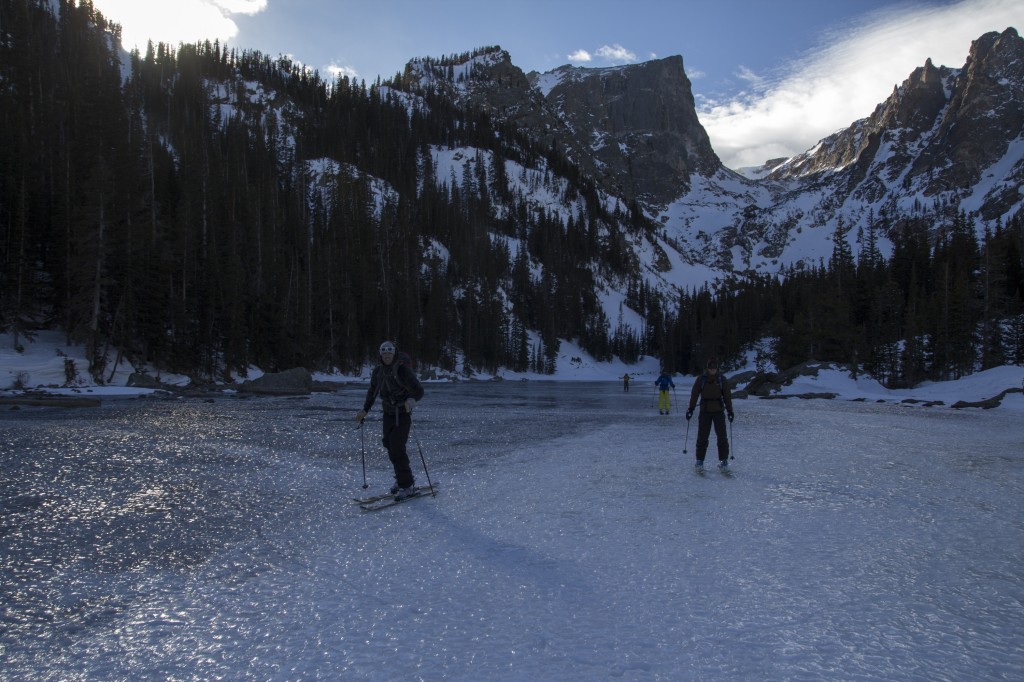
(296, 381)
(937, 133)
(639, 123)
(633, 129)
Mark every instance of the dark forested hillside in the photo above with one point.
(143, 214)
(204, 210)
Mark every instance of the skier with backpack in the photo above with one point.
(399, 391)
(712, 391)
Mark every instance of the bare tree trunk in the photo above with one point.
(152, 196)
(97, 288)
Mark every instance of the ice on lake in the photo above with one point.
(570, 540)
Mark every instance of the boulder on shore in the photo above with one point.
(139, 380)
(295, 381)
(994, 401)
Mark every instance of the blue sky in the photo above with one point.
(770, 78)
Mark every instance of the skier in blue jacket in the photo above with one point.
(664, 383)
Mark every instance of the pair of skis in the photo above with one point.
(725, 471)
(385, 500)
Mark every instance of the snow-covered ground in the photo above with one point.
(570, 540)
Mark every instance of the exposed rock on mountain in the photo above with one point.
(985, 115)
(633, 128)
(640, 124)
(936, 136)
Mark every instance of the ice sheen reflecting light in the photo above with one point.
(194, 540)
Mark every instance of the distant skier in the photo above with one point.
(664, 383)
(625, 382)
(399, 391)
(712, 391)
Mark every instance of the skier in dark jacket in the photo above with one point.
(712, 391)
(399, 391)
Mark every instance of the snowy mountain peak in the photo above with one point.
(941, 135)
(632, 128)
(460, 75)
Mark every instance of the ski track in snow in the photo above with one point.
(570, 540)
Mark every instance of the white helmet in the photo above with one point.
(387, 347)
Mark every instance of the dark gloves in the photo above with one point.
(731, 417)
(689, 413)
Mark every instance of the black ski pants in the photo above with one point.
(704, 421)
(396, 435)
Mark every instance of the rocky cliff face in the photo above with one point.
(907, 116)
(984, 116)
(488, 81)
(936, 134)
(485, 79)
(634, 129)
(638, 122)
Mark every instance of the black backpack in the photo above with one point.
(721, 385)
(704, 381)
(406, 359)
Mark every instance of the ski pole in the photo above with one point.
(424, 460)
(687, 439)
(362, 452)
(732, 442)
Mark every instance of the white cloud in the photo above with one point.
(745, 74)
(174, 21)
(613, 54)
(241, 6)
(336, 71)
(616, 53)
(846, 79)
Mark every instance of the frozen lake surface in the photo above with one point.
(570, 540)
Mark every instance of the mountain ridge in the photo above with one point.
(958, 121)
(635, 129)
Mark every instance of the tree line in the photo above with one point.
(169, 213)
(948, 301)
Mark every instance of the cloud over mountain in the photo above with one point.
(784, 113)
